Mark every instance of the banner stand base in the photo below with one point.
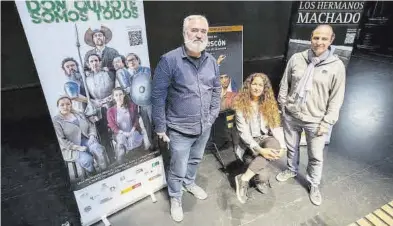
(105, 221)
(153, 197)
(120, 208)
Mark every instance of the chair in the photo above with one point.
(75, 171)
(231, 125)
(224, 124)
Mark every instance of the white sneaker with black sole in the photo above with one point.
(241, 189)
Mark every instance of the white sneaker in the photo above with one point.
(197, 191)
(241, 189)
(176, 209)
(285, 175)
(315, 195)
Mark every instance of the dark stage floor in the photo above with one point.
(357, 177)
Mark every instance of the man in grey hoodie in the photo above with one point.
(310, 97)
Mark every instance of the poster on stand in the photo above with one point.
(93, 64)
(226, 45)
(343, 16)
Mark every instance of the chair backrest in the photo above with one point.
(225, 120)
(230, 118)
(224, 123)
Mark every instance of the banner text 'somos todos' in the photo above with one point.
(74, 11)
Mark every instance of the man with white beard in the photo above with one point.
(186, 102)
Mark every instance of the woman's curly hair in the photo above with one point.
(267, 103)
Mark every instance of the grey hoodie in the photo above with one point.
(327, 94)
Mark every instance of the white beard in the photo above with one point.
(195, 46)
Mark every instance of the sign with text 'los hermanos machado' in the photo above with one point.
(343, 16)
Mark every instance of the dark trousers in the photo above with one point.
(258, 164)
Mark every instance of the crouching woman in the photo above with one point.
(262, 137)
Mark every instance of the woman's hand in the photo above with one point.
(280, 152)
(92, 140)
(127, 134)
(268, 153)
(93, 119)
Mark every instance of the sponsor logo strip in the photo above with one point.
(154, 177)
(130, 188)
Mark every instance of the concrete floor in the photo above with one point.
(357, 177)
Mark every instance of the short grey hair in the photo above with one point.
(192, 17)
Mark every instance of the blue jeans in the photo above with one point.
(86, 161)
(186, 152)
(86, 158)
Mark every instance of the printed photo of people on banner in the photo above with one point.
(96, 78)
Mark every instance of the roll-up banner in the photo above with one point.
(93, 64)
